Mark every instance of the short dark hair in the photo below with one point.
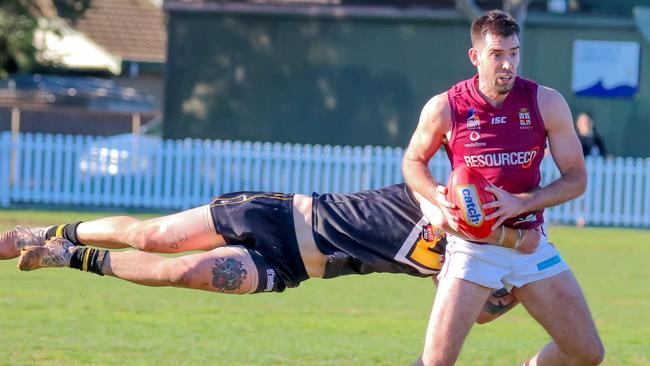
(493, 22)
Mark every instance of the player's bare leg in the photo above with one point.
(457, 305)
(184, 231)
(558, 304)
(181, 232)
(226, 269)
(498, 303)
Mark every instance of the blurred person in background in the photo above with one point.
(592, 144)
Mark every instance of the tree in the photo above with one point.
(19, 19)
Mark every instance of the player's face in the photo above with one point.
(496, 59)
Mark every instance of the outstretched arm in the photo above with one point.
(434, 123)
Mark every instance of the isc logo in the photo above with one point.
(498, 120)
(470, 205)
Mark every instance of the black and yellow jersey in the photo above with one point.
(381, 230)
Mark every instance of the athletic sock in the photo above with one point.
(88, 260)
(66, 231)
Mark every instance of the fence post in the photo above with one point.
(206, 155)
(236, 166)
(267, 157)
(628, 208)
(286, 168)
(179, 181)
(366, 180)
(318, 168)
(646, 209)
(247, 164)
(335, 184)
(197, 168)
(6, 154)
(306, 185)
(326, 163)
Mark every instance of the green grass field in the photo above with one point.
(64, 317)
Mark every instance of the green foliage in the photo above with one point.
(17, 52)
(65, 317)
(19, 19)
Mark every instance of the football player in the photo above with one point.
(254, 242)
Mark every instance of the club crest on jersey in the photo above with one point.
(470, 205)
(524, 117)
(432, 234)
(473, 121)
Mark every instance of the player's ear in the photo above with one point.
(473, 56)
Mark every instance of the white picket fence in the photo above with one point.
(141, 172)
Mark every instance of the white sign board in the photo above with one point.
(605, 68)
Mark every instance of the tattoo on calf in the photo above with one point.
(228, 274)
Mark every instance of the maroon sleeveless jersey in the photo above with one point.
(504, 144)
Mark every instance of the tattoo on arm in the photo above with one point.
(499, 302)
(228, 274)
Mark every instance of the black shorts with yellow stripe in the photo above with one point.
(262, 222)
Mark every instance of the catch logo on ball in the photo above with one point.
(470, 205)
(466, 188)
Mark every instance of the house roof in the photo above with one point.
(131, 29)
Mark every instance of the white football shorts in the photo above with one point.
(496, 267)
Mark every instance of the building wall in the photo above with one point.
(622, 122)
(75, 121)
(358, 80)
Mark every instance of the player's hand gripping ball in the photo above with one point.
(466, 188)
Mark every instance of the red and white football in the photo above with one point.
(466, 188)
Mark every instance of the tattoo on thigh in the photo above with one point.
(498, 302)
(228, 274)
(174, 237)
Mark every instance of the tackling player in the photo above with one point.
(256, 242)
